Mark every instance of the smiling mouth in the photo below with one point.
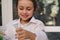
(24, 16)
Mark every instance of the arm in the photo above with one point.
(40, 33)
(7, 32)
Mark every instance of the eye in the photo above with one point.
(29, 9)
(21, 8)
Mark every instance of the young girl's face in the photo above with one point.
(25, 9)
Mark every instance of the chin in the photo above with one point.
(25, 18)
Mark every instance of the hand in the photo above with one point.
(22, 34)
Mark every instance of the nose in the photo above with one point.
(24, 11)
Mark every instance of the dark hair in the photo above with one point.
(33, 1)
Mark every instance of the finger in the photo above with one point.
(20, 36)
(2, 33)
(16, 36)
(18, 29)
(21, 39)
(20, 32)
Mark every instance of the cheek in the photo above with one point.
(19, 12)
(31, 13)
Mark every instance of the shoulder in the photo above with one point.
(36, 21)
(39, 22)
(41, 35)
(40, 25)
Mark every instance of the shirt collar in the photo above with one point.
(33, 20)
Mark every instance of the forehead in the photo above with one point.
(25, 2)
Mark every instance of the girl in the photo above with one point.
(26, 27)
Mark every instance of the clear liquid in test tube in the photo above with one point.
(16, 26)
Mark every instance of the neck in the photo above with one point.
(24, 22)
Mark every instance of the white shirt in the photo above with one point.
(34, 26)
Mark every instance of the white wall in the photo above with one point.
(6, 11)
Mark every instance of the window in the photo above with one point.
(49, 12)
(15, 15)
(0, 14)
(53, 35)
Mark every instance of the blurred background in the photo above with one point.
(48, 11)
